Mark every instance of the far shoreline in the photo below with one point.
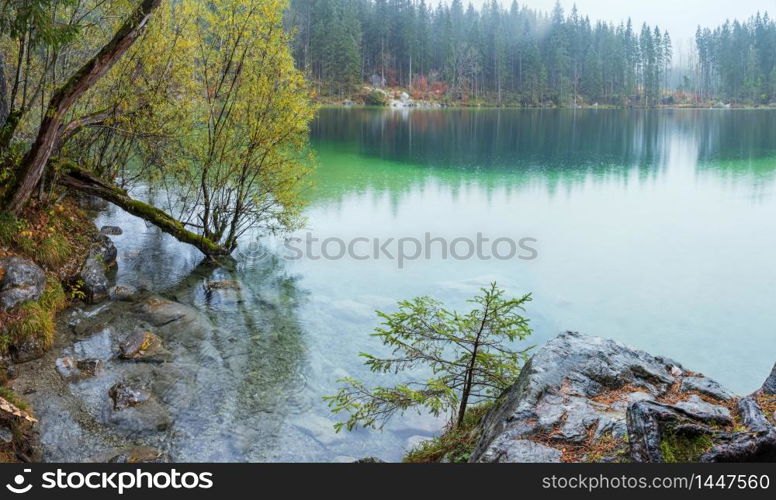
(440, 107)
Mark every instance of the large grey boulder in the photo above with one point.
(95, 283)
(574, 386)
(21, 281)
(102, 256)
(593, 399)
(104, 249)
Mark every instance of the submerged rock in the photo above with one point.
(71, 369)
(143, 346)
(122, 292)
(150, 416)
(135, 410)
(21, 281)
(111, 230)
(125, 397)
(67, 368)
(590, 399)
(160, 312)
(28, 349)
(139, 455)
(89, 367)
(223, 285)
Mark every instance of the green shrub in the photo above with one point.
(471, 358)
(376, 98)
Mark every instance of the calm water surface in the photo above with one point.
(655, 228)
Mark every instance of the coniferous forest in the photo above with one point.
(515, 55)
(737, 61)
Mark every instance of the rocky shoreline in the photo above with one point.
(588, 399)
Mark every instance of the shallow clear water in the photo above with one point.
(655, 228)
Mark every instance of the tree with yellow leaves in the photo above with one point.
(202, 97)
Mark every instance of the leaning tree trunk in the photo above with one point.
(84, 181)
(34, 162)
(5, 108)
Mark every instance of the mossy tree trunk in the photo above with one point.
(84, 181)
(34, 162)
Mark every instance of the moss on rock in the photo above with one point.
(684, 447)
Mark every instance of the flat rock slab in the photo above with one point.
(707, 386)
(161, 312)
(521, 451)
(704, 411)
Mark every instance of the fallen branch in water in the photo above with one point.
(80, 179)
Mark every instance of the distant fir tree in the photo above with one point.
(507, 54)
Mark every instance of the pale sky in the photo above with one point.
(680, 17)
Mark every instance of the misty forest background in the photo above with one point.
(519, 56)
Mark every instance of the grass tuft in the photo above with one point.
(54, 251)
(455, 445)
(9, 395)
(53, 296)
(35, 320)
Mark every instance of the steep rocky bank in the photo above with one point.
(49, 256)
(588, 399)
